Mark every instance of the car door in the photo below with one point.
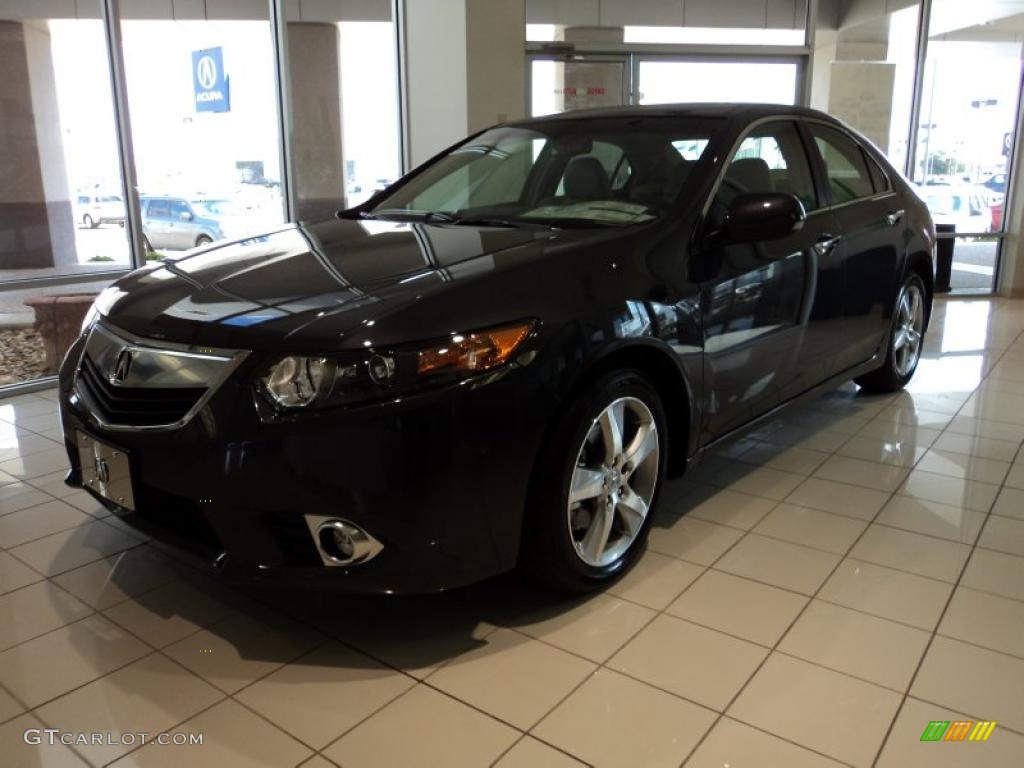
(182, 224)
(869, 221)
(155, 220)
(758, 305)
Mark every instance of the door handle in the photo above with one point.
(893, 217)
(826, 243)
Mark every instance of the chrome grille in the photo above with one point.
(131, 383)
(136, 406)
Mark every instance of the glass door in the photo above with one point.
(563, 83)
(969, 102)
(673, 81)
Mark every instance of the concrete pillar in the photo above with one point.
(1011, 266)
(43, 82)
(464, 69)
(35, 211)
(854, 82)
(315, 84)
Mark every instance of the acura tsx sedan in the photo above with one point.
(497, 361)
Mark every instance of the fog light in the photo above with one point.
(337, 543)
(341, 542)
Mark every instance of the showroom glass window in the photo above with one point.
(969, 101)
(203, 106)
(559, 83)
(863, 70)
(61, 206)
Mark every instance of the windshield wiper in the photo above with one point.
(572, 222)
(444, 217)
(495, 221)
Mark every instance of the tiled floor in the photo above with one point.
(813, 595)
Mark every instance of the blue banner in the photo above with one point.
(209, 81)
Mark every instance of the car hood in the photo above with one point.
(310, 287)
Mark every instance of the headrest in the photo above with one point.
(750, 174)
(586, 179)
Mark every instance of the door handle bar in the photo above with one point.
(826, 243)
(893, 217)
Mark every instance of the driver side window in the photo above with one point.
(770, 159)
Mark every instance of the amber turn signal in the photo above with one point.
(474, 352)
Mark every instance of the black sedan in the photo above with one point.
(498, 360)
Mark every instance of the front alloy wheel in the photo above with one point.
(595, 483)
(613, 483)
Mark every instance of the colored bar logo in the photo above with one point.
(958, 730)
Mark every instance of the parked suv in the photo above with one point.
(179, 223)
(93, 210)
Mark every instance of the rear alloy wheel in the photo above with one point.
(203, 240)
(906, 340)
(596, 484)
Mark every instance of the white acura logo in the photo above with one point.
(206, 72)
(122, 365)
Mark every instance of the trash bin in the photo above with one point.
(944, 257)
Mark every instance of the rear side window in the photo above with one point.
(848, 175)
(159, 208)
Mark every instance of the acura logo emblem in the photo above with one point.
(122, 365)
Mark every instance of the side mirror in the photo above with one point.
(185, 216)
(760, 217)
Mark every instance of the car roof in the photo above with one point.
(739, 112)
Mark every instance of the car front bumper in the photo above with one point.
(439, 480)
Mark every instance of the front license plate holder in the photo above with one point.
(106, 470)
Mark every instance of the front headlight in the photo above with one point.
(297, 382)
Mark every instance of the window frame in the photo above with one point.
(873, 163)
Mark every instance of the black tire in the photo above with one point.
(891, 377)
(203, 240)
(549, 554)
(88, 222)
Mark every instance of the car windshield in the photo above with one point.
(585, 172)
(216, 207)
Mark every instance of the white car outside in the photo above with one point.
(964, 207)
(93, 209)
